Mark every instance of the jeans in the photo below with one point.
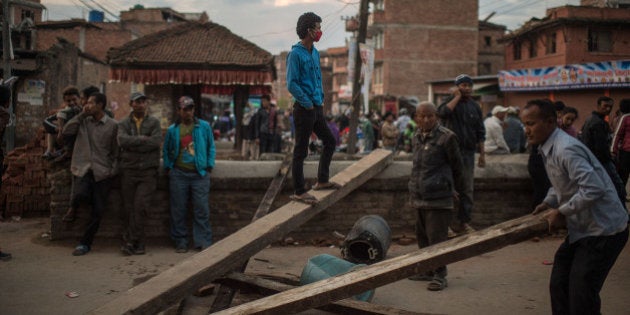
(86, 190)
(432, 228)
(579, 271)
(181, 185)
(464, 210)
(137, 187)
(306, 123)
(266, 142)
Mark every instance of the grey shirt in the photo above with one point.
(96, 146)
(581, 189)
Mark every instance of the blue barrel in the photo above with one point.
(325, 266)
(368, 241)
(96, 16)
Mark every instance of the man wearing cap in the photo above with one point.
(139, 139)
(188, 155)
(462, 115)
(495, 143)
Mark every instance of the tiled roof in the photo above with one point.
(198, 45)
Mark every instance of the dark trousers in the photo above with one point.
(306, 123)
(266, 143)
(137, 187)
(624, 166)
(86, 190)
(464, 210)
(432, 228)
(540, 180)
(579, 271)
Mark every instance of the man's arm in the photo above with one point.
(590, 186)
(455, 161)
(72, 127)
(139, 143)
(211, 150)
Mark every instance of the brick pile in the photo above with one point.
(25, 187)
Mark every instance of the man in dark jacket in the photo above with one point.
(462, 115)
(436, 177)
(266, 122)
(139, 138)
(597, 136)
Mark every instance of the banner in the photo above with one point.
(605, 74)
(367, 67)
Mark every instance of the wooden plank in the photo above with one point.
(346, 307)
(391, 270)
(179, 281)
(225, 294)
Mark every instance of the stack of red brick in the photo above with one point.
(25, 188)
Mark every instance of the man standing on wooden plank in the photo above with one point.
(583, 198)
(436, 176)
(304, 81)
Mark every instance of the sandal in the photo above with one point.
(437, 284)
(304, 198)
(328, 185)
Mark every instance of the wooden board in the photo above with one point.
(343, 286)
(182, 279)
(346, 307)
(225, 295)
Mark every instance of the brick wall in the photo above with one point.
(419, 39)
(503, 191)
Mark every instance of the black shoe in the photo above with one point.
(5, 256)
(181, 249)
(138, 249)
(127, 249)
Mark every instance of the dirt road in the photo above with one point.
(512, 280)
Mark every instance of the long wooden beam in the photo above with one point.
(179, 281)
(226, 294)
(343, 286)
(346, 307)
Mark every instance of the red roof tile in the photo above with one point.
(191, 45)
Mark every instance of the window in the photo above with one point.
(599, 41)
(488, 41)
(533, 50)
(378, 40)
(378, 74)
(517, 51)
(484, 68)
(551, 44)
(379, 5)
(27, 14)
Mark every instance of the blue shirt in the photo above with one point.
(581, 189)
(304, 76)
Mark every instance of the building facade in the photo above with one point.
(419, 41)
(574, 54)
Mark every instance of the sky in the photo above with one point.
(270, 24)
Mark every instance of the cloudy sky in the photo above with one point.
(271, 23)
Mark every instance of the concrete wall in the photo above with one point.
(502, 192)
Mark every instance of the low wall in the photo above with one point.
(502, 192)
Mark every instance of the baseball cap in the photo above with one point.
(185, 102)
(499, 109)
(136, 96)
(463, 78)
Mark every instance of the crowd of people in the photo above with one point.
(579, 177)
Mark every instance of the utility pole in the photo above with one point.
(6, 69)
(356, 84)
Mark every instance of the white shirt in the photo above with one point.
(495, 143)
